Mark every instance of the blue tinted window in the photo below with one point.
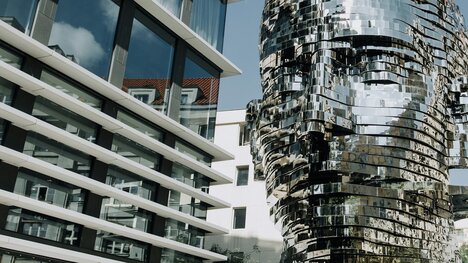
(84, 32)
(149, 63)
(207, 20)
(18, 13)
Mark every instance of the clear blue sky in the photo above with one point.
(241, 47)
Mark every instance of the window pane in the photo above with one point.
(184, 233)
(37, 225)
(149, 63)
(239, 217)
(9, 256)
(125, 214)
(120, 246)
(135, 152)
(73, 90)
(64, 119)
(49, 190)
(207, 20)
(173, 6)
(193, 152)
(140, 125)
(129, 182)
(7, 89)
(171, 256)
(201, 88)
(56, 153)
(84, 32)
(242, 176)
(10, 57)
(18, 13)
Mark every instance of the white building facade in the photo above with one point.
(253, 237)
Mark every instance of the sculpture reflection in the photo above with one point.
(363, 114)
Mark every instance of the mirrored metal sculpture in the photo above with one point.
(364, 112)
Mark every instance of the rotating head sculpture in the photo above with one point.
(363, 114)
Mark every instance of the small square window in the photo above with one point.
(242, 176)
(240, 214)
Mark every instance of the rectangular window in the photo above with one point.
(240, 215)
(199, 96)
(71, 89)
(18, 13)
(140, 124)
(242, 176)
(121, 246)
(149, 63)
(33, 224)
(64, 119)
(56, 153)
(135, 152)
(49, 190)
(244, 135)
(91, 22)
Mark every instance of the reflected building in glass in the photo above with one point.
(107, 109)
(363, 115)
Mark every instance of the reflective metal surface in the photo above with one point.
(364, 111)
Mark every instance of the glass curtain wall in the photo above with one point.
(173, 6)
(199, 96)
(207, 20)
(84, 31)
(149, 63)
(19, 13)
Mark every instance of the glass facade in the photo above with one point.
(41, 226)
(199, 97)
(64, 119)
(149, 63)
(207, 20)
(125, 214)
(10, 57)
(140, 124)
(72, 89)
(8, 256)
(56, 153)
(49, 190)
(130, 182)
(135, 152)
(86, 33)
(173, 6)
(195, 153)
(171, 256)
(184, 233)
(121, 246)
(18, 13)
(86, 39)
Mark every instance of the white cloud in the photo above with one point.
(111, 12)
(79, 42)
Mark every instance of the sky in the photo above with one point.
(241, 47)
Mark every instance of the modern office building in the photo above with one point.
(253, 236)
(364, 112)
(107, 121)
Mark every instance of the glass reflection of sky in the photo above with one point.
(21, 10)
(85, 29)
(149, 56)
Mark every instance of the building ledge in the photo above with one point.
(192, 38)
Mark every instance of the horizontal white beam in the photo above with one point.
(22, 160)
(11, 199)
(30, 123)
(34, 248)
(37, 87)
(26, 44)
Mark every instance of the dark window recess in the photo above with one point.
(239, 217)
(242, 176)
(244, 135)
